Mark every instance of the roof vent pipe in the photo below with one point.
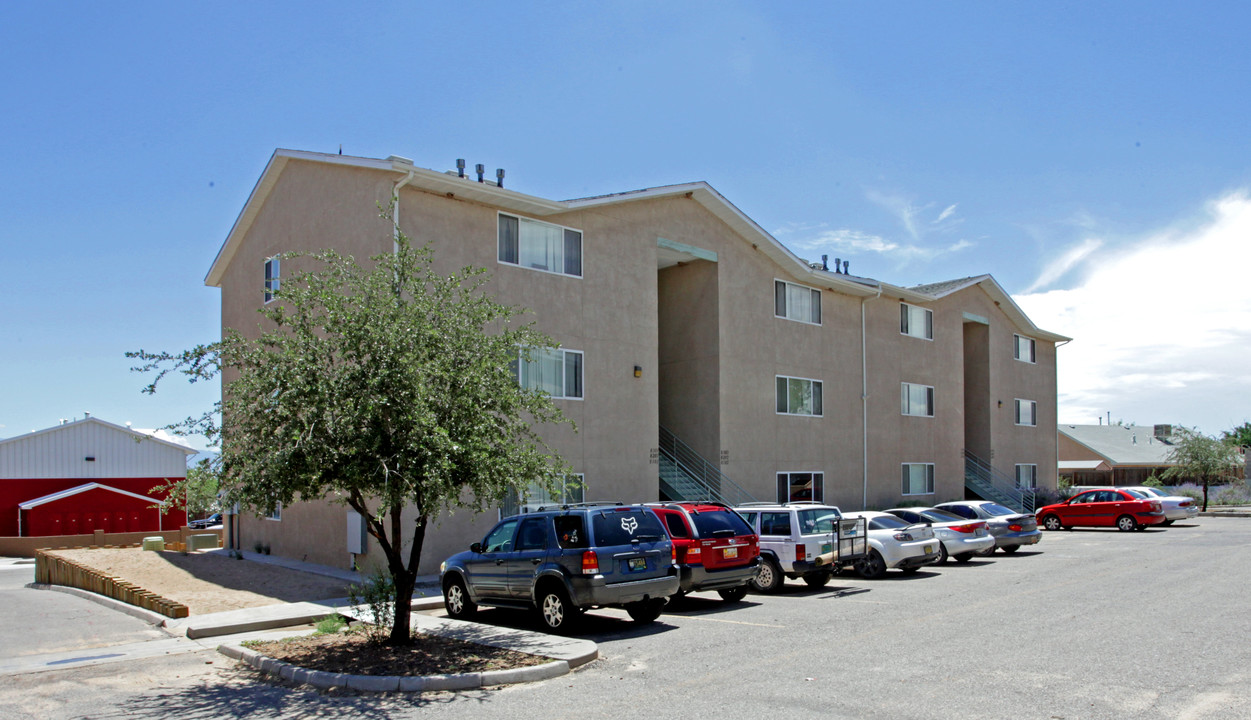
(499, 177)
(825, 263)
(460, 167)
(480, 168)
(837, 263)
(846, 264)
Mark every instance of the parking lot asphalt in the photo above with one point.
(1087, 624)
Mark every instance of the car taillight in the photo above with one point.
(971, 527)
(694, 554)
(801, 553)
(590, 563)
(1185, 503)
(1015, 528)
(903, 537)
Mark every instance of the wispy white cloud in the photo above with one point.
(1161, 324)
(951, 210)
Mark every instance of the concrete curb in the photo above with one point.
(148, 616)
(395, 683)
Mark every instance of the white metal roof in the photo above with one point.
(81, 489)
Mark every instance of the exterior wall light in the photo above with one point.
(638, 371)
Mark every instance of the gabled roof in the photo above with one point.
(998, 294)
(78, 490)
(1121, 444)
(157, 436)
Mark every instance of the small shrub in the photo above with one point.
(256, 546)
(332, 623)
(265, 548)
(377, 595)
(1153, 481)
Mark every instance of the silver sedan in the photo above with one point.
(1010, 528)
(960, 538)
(1175, 507)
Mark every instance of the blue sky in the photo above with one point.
(1093, 157)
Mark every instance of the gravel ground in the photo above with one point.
(208, 583)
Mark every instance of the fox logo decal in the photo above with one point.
(629, 524)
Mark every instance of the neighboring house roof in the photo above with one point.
(77, 490)
(159, 436)
(1121, 444)
(1071, 465)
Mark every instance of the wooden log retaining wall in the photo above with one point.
(55, 570)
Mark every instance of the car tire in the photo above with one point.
(1126, 523)
(768, 576)
(1009, 549)
(1052, 522)
(556, 611)
(456, 599)
(963, 557)
(942, 554)
(818, 579)
(1167, 522)
(872, 567)
(734, 594)
(645, 611)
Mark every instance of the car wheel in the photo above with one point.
(1125, 523)
(557, 613)
(645, 611)
(1010, 548)
(733, 594)
(818, 579)
(963, 557)
(872, 567)
(942, 553)
(1052, 522)
(1167, 522)
(456, 599)
(768, 576)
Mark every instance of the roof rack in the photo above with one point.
(671, 503)
(570, 506)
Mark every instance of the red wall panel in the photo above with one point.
(84, 512)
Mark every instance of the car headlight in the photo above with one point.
(442, 567)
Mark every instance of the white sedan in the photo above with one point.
(961, 538)
(894, 543)
(1175, 507)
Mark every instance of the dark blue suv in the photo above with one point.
(563, 560)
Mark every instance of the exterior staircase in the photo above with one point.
(991, 484)
(686, 475)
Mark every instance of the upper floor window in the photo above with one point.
(1024, 348)
(1026, 412)
(540, 246)
(1027, 476)
(916, 321)
(272, 274)
(918, 479)
(556, 372)
(800, 487)
(796, 302)
(917, 400)
(798, 396)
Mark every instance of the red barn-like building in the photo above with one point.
(87, 475)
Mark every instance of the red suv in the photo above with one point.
(713, 547)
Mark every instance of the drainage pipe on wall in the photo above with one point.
(864, 399)
(395, 211)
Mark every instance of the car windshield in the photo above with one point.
(817, 520)
(997, 509)
(621, 527)
(720, 523)
(886, 522)
(942, 516)
(1137, 493)
(1151, 491)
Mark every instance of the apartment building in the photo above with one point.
(697, 354)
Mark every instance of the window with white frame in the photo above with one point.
(272, 274)
(918, 478)
(916, 321)
(275, 514)
(1026, 412)
(540, 246)
(801, 487)
(798, 396)
(569, 490)
(1027, 476)
(1024, 348)
(555, 371)
(916, 399)
(796, 302)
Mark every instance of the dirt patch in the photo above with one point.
(352, 653)
(208, 583)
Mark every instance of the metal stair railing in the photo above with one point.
(702, 479)
(981, 477)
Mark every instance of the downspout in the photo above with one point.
(864, 398)
(1057, 486)
(395, 211)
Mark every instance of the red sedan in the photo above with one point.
(1123, 509)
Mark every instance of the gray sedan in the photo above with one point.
(1010, 528)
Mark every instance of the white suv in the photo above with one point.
(803, 540)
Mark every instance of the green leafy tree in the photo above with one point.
(1202, 457)
(1239, 436)
(390, 389)
(197, 492)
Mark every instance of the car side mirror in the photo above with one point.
(476, 548)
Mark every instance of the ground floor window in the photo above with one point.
(570, 490)
(918, 478)
(801, 487)
(1027, 477)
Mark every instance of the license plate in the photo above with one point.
(929, 549)
(730, 552)
(637, 564)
